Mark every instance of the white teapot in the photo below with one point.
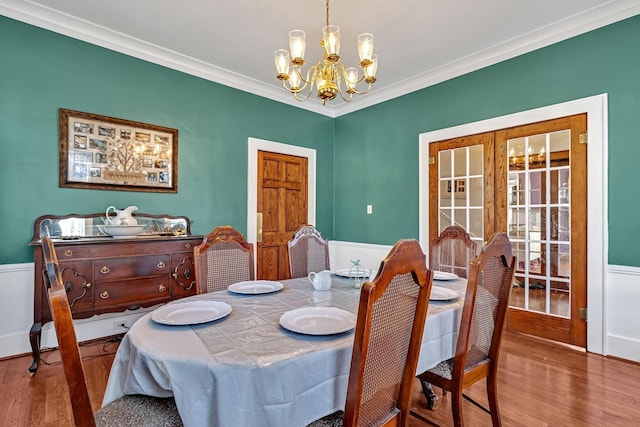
(321, 281)
(123, 216)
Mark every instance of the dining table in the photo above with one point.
(246, 369)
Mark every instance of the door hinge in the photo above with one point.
(584, 138)
(583, 313)
(432, 160)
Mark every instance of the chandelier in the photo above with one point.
(327, 74)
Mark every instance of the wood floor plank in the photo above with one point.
(541, 383)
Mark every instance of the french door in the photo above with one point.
(529, 181)
(543, 185)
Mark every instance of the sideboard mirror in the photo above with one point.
(73, 226)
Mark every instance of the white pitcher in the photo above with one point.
(321, 281)
(123, 216)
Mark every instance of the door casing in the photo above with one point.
(597, 164)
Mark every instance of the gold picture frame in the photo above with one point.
(107, 153)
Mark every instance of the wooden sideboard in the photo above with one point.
(103, 274)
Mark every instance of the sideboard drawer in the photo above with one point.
(132, 292)
(120, 268)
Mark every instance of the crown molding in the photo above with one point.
(50, 19)
(558, 31)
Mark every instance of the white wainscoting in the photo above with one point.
(623, 312)
(342, 253)
(16, 305)
(16, 315)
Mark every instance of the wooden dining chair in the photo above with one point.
(223, 258)
(391, 318)
(452, 251)
(481, 325)
(308, 251)
(130, 410)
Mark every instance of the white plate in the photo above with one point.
(442, 294)
(349, 274)
(191, 312)
(318, 320)
(255, 287)
(443, 275)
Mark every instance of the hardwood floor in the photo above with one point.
(43, 400)
(541, 383)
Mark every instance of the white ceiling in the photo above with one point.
(419, 42)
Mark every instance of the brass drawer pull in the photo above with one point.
(162, 288)
(187, 245)
(104, 295)
(161, 265)
(104, 270)
(68, 252)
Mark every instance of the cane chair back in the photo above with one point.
(390, 322)
(481, 327)
(223, 258)
(452, 251)
(131, 410)
(308, 251)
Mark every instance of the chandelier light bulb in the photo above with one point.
(294, 79)
(331, 39)
(282, 63)
(352, 77)
(365, 48)
(371, 69)
(297, 44)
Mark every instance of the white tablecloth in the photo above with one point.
(246, 370)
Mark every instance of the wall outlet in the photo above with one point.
(121, 325)
(369, 209)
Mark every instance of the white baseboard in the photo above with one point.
(624, 347)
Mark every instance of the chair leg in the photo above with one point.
(492, 394)
(456, 408)
(429, 394)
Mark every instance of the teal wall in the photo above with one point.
(41, 71)
(376, 148)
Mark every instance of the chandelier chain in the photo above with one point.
(327, 13)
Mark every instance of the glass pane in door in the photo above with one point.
(461, 184)
(538, 224)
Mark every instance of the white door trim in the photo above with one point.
(597, 167)
(256, 145)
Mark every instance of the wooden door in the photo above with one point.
(541, 187)
(282, 205)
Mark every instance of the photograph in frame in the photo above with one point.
(108, 153)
